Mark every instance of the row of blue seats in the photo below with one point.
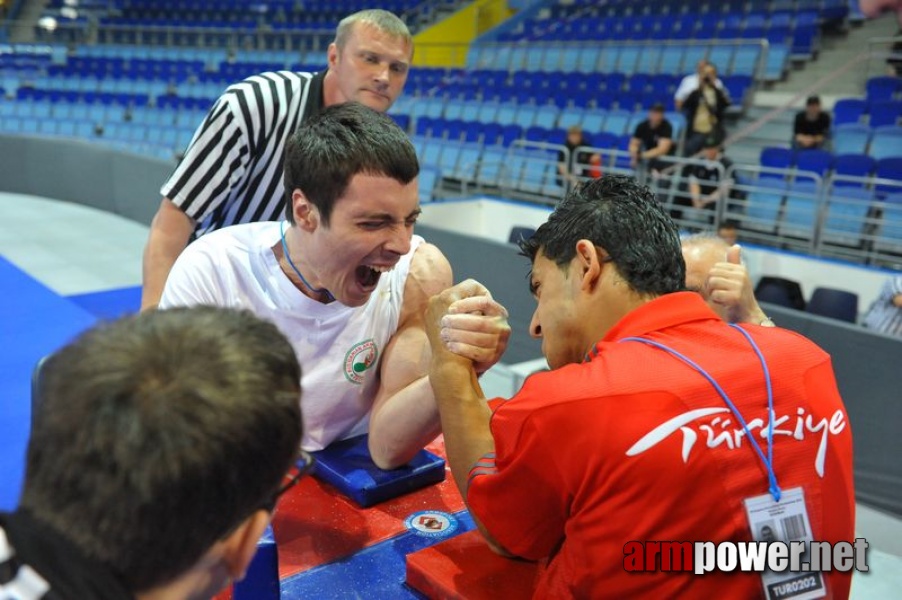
(779, 28)
(563, 97)
(131, 135)
(822, 163)
(100, 113)
(123, 99)
(730, 59)
(523, 115)
(878, 113)
(857, 138)
(839, 215)
(826, 9)
(493, 134)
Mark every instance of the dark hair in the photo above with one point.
(623, 217)
(160, 433)
(657, 107)
(812, 100)
(343, 140)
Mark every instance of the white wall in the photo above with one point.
(493, 219)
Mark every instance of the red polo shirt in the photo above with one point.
(584, 462)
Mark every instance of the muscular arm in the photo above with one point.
(169, 233)
(404, 416)
(465, 415)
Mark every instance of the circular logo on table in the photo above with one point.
(359, 358)
(432, 523)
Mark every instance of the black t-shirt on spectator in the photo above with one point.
(819, 126)
(650, 136)
(708, 175)
(576, 162)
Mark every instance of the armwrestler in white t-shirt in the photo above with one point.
(351, 290)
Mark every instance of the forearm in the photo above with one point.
(406, 422)
(659, 150)
(465, 417)
(169, 234)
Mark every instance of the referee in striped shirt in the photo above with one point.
(232, 169)
(885, 315)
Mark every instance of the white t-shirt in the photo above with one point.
(339, 347)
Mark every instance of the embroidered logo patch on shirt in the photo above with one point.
(359, 359)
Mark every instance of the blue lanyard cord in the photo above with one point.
(296, 270)
(774, 489)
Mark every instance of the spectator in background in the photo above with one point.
(690, 83)
(652, 140)
(159, 448)
(885, 315)
(728, 231)
(704, 109)
(232, 170)
(573, 164)
(706, 180)
(812, 126)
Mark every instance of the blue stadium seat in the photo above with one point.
(616, 121)
(776, 158)
(814, 161)
(490, 165)
(649, 59)
(853, 165)
(588, 60)
(467, 162)
(800, 214)
(765, 201)
(432, 152)
(745, 61)
(447, 163)
(891, 169)
(881, 89)
(525, 116)
(886, 142)
(536, 134)
(426, 181)
(834, 304)
(848, 110)
(889, 236)
(851, 138)
(884, 113)
(509, 133)
(846, 218)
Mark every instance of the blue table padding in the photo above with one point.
(374, 572)
(261, 582)
(347, 466)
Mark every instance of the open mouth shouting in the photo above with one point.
(368, 276)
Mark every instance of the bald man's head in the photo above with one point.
(701, 252)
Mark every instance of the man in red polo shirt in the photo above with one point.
(627, 438)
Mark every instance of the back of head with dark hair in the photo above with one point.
(343, 140)
(158, 434)
(623, 217)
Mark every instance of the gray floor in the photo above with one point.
(75, 250)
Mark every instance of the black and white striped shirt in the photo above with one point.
(884, 316)
(232, 169)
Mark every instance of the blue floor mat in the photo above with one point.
(36, 322)
(110, 304)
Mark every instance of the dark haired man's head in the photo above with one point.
(813, 107)
(607, 248)
(159, 441)
(342, 141)
(656, 114)
(351, 179)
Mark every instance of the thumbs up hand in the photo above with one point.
(728, 285)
